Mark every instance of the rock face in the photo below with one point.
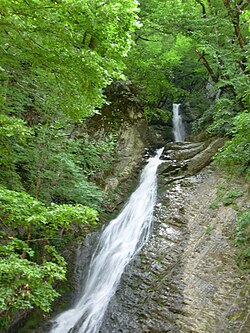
(130, 151)
(204, 157)
(191, 157)
(132, 140)
(126, 119)
(186, 279)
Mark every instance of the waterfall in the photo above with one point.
(178, 126)
(122, 238)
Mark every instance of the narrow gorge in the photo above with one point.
(121, 239)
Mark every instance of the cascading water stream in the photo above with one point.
(119, 242)
(178, 126)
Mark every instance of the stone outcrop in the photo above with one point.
(132, 140)
(204, 157)
(124, 117)
(129, 152)
(187, 158)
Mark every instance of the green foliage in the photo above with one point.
(208, 230)
(231, 195)
(57, 57)
(242, 239)
(56, 60)
(24, 283)
(221, 190)
(226, 195)
(66, 216)
(223, 116)
(167, 65)
(96, 154)
(157, 114)
(61, 56)
(52, 163)
(234, 156)
(13, 127)
(14, 134)
(56, 167)
(30, 238)
(19, 212)
(155, 64)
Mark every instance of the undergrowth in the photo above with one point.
(242, 239)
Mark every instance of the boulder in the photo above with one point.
(184, 150)
(202, 159)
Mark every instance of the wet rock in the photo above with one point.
(199, 161)
(184, 150)
(185, 280)
(183, 159)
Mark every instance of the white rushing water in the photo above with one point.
(178, 126)
(119, 242)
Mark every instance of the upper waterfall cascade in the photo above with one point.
(122, 238)
(178, 126)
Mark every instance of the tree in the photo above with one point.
(60, 55)
(31, 236)
(162, 63)
(57, 57)
(214, 35)
(235, 154)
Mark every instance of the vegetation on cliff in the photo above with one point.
(57, 58)
(185, 48)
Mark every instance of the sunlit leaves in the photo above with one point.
(24, 283)
(29, 263)
(160, 52)
(19, 210)
(234, 156)
(13, 127)
(71, 49)
(242, 239)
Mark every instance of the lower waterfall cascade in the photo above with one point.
(121, 239)
(184, 278)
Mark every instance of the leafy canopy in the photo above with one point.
(186, 46)
(61, 54)
(56, 58)
(31, 236)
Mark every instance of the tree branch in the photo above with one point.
(235, 18)
(215, 77)
(204, 14)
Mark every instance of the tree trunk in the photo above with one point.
(214, 76)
